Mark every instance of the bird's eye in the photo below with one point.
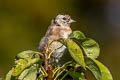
(64, 18)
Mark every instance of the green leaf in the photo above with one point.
(20, 65)
(33, 61)
(82, 77)
(28, 54)
(9, 75)
(31, 74)
(41, 77)
(93, 67)
(91, 48)
(62, 41)
(106, 75)
(77, 35)
(23, 74)
(76, 75)
(75, 52)
(24, 60)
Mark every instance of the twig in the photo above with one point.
(59, 74)
(46, 59)
(50, 73)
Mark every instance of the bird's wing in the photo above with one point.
(49, 31)
(44, 40)
(42, 44)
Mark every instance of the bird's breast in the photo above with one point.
(65, 33)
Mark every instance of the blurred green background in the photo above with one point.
(24, 22)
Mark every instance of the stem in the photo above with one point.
(50, 73)
(57, 70)
(32, 62)
(59, 74)
(43, 70)
(48, 67)
(46, 60)
(64, 76)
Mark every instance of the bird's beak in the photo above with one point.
(71, 21)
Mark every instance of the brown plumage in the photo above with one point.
(59, 28)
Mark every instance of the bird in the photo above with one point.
(59, 28)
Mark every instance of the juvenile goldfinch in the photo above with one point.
(59, 28)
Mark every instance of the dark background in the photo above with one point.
(24, 22)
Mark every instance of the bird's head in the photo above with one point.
(63, 20)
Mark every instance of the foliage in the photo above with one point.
(30, 65)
